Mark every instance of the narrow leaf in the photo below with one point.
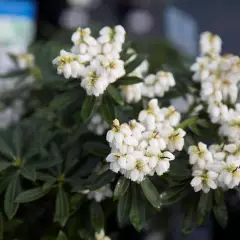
(88, 107)
(62, 207)
(107, 110)
(137, 209)
(18, 140)
(115, 94)
(31, 195)
(221, 214)
(29, 173)
(189, 219)
(188, 122)
(173, 195)
(103, 179)
(204, 207)
(4, 165)
(97, 148)
(151, 193)
(123, 208)
(97, 216)
(121, 187)
(219, 196)
(6, 150)
(10, 206)
(129, 80)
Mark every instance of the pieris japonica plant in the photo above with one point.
(105, 135)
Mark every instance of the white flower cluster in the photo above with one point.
(145, 147)
(219, 77)
(99, 194)
(216, 166)
(154, 85)
(96, 61)
(97, 125)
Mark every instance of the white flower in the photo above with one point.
(204, 180)
(120, 161)
(139, 167)
(114, 67)
(159, 161)
(201, 69)
(101, 236)
(151, 115)
(111, 40)
(199, 155)
(230, 174)
(171, 115)
(218, 112)
(157, 85)
(69, 65)
(153, 139)
(25, 61)
(210, 43)
(101, 193)
(218, 152)
(231, 129)
(95, 82)
(120, 137)
(97, 125)
(82, 40)
(137, 129)
(176, 140)
(132, 93)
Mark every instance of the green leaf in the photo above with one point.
(137, 213)
(6, 150)
(103, 179)
(88, 107)
(203, 123)
(107, 110)
(188, 122)
(4, 165)
(1, 227)
(129, 80)
(221, 214)
(13, 189)
(189, 218)
(31, 195)
(18, 140)
(29, 173)
(97, 148)
(151, 193)
(195, 130)
(62, 207)
(61, 236)
(218, 196)
(115, 94)
(173, 195)
(123, 208)
(62, 100)
(204, 207)
(130, 67)
(121, 187)
(97, 216)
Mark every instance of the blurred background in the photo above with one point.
(178, 22)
